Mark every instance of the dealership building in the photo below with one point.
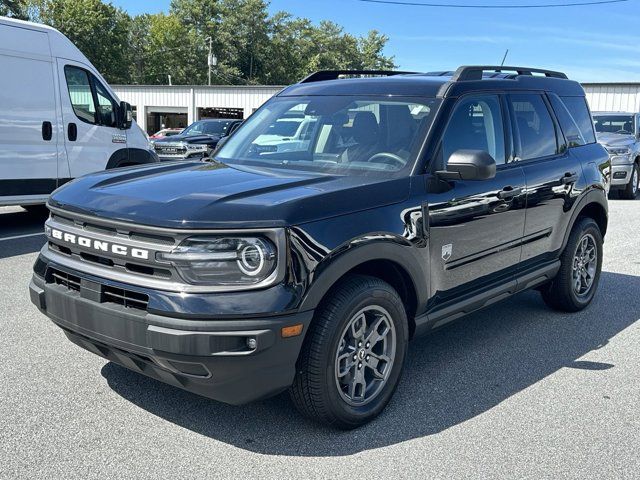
(176, 106)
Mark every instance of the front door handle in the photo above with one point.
(72, 132)
(509, 192)
(569, 178)
(47, 131)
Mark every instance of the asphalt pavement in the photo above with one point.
(513, 391)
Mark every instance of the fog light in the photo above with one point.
(252, 343)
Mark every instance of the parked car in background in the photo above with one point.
(196, 142)
(59, 119)
(420, 198)
(166, 132)
(619, 133)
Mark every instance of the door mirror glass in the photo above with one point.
(126, 115)
(469, 165)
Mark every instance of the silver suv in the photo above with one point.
(619, 133)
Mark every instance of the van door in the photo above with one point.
(28, 117)
(92, 137)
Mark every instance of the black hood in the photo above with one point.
(197, 139)
(197, 195)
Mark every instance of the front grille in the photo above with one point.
(126, 298)
(65, 279)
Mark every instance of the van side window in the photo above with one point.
(536, 130)
(106, 108)
(475, 124)
(79, 86)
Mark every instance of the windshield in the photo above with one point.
(347, 135)
(207, 127)
(622, 124)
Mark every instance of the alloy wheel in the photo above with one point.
(365, 355)
(585, 264)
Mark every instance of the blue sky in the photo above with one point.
(595, 43)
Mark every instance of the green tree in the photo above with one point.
(371, 50)
(99, 30)
(15, 9)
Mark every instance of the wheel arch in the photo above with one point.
(592, 205)
(125, 157)
(392, 263)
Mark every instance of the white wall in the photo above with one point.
(620, 97)
(147, 98)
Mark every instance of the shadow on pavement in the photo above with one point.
(451, 376)
(16, 222)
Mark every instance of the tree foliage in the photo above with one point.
(251, 46)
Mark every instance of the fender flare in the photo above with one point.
(130, 156)
(341, 262)
(593, 196)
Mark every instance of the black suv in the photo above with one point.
(308, 264)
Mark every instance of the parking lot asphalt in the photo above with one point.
(513, 391)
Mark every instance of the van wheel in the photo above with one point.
(353, 354)
(576, 283)
(631, 190)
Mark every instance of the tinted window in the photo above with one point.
(207, 128)
(536, 131)
(475, 124)
(567, 123)
(80, 94)
(578, 109)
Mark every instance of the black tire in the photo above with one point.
(560, 293)
(316, 391)
(631, 190)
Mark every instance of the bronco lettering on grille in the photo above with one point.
(99, 245)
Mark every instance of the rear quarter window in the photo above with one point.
(577, 107)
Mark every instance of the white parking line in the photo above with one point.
(15, 237)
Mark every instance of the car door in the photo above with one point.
(90, 123)
(475, 227)
(552, 172)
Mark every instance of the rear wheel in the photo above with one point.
(353, 355)
(576, 283)
(631, 190)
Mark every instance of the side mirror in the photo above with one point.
(221, 142)
(469, 165)
(125, 116)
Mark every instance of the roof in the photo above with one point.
(437, 84)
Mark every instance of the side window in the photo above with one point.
(106, 107)
(79, 87)
(578, 109)
(567, 123)
(535, 128)
(475, 124)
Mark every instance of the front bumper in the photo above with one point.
(621, 174)
(213, 358)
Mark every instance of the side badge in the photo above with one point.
(447, 250)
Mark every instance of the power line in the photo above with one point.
(444, 5)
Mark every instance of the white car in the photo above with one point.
(59, 118)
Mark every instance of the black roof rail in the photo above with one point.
(335, 74)
(476, 72)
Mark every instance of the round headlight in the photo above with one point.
(251, 261)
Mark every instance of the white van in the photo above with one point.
(59, 119)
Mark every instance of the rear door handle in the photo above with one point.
(569, 178)
(47, 131)
(72, 132)
(509, 192)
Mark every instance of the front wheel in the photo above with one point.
(576, 283)
(631, 190)
(353, 355)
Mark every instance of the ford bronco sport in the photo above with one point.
(417, 199)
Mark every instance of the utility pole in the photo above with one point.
(212, 60)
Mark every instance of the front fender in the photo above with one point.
(390, 248)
